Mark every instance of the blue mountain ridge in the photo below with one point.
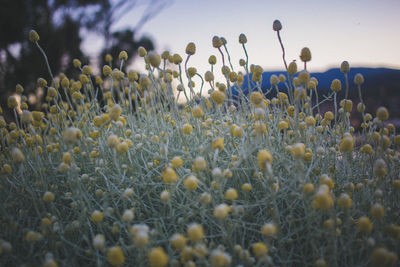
(324, 78)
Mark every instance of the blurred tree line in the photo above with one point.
(60, 24)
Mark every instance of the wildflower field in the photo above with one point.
(114, 171)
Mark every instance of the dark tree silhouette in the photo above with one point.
(59, 24)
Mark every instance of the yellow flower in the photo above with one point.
(99, 242)
(358, 79)
(269, 229)
(48, 197)
(218, 144)
(283, 125)
(380, 168)
(264, 157)
(33, 36)
(197, 111)
(165, 195)
(377, 211)
(199, 164)
(12, 102)
(323, 199)
(231, 194)
(178, 241)
(292, 68)
(66, 158)
(382, 114)
(195, 232)
(219, 258)
(17, 155)
(115, 256)
(246, 187)
(347, 143)
(218, 97)
(190, 48)
(191, 182)
(308, 188)
(177, 162)
(115, 112)
(336, 85)
(187, 128)
(221, 211)
(256, 98)
(297, 150)
(96, 216)
(364, 225)
(344, 201)
(123, 55)
(305, 54)
(381, 257)
(169, 175)
(122, 147)
(113, 141)
(259, 249)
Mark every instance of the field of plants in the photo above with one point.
(147, 169)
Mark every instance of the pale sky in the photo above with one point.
(363, 32)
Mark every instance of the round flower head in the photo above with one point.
(123, 55)
(199, 164)
(177, 162)
(274, 80)
(218, 144)
(221, 211)
(231, 194)
(292, 68)
(345, 67)
(17, 155)
(364, 225)
(305, 54)
(242, 38)
(154, 59)
(190, 48)
(344, 201)
(256, 98)
(191, 182)
(336, 85)
(169, 175)
(48, 197)
(195, 232)
(359, 79)
(269, 229)
(178, 241)
(264, 157)
(33, 36)
(218, 97)
(277, 26)
(382, 114)
(96, 216)
(142, 51)
(220, 258)
(99, 242)
(115, 256)
(380, 168)
(72, 135)
(157, 257)
(259, 249)
(212, 60)
(12, 102)
(216, 42)
(377, 211)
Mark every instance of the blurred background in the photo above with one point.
(365, 33)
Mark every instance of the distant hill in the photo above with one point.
(381, 87)
(371, 75)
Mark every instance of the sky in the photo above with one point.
(363, 32)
